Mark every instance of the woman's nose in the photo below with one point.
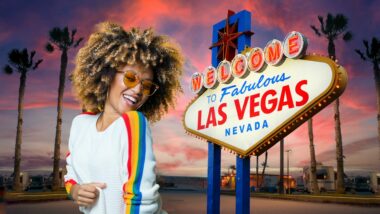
(138, 89)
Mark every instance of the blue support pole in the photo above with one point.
(213, 173)
(243, 164)
(214, 168)
(242, 185)
(244, 25)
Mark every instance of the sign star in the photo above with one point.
(227, 39)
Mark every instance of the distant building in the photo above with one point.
(49, 180)
(37, 182)
(181, 182)
(266, 183)
(325, 178)
(24, 181)
(366, 182)
(2, 181)
(375, 182)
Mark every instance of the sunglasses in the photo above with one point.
(131, 80)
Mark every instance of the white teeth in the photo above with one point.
(132, 99)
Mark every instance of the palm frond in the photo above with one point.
(8, 69)
(360, 54)
(78, 42)
(320, 18)
(56, 35)
(347, 36)
(340, 23)
(375, 48)
(31, 58)
(14, 57)
(72, 38)
(25, 58)
(66, 37)
(37, 64)
(49, 47)
(367, 51)
(329, 24)
(316, 31)
(73, 32)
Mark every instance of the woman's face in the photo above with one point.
(122, 99)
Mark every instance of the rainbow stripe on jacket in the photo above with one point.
(136, 128)
(68, 185)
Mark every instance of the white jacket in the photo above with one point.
(121, 156)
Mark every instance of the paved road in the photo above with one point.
(194, 203)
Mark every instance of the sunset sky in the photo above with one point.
(25, 24)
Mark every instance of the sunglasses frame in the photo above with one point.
(139, 81)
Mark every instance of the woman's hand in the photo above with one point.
(86, 194)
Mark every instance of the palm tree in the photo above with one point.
(372, 54)
(313, 162)
(257, 172)
(265, 165)
(332, 29)
(63, 40)
(22, 62)
(232, 175)
(281, 182)
(232, 170)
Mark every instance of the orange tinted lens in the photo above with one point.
(148, 87)
(130, 79)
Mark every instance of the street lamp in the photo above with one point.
(287, 155)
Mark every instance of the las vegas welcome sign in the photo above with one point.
(249, 104)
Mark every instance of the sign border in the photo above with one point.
(335, 89)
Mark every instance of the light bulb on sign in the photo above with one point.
(224, 72)
(196, 85)
(210, 77)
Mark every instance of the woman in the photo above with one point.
(110, 164)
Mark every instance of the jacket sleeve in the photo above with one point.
(140, 191)
(71, 177)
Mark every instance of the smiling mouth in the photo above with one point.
(129, 98)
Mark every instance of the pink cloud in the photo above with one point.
(193, 154)
(174, 148)
(168, 165)
(36, 105)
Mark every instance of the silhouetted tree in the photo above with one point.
(332, 28)
(63, 40)
(372, 54)
(22, 62)
(313, 162)
(264, 164)
(232, 170)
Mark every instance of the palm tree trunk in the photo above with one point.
(58, 130)
(331, 49)
(265, 166)
(17, 159)
(338, 133)
(281, 182)
(257, 172)
(339, 149)
(313, 162)
(376, 71)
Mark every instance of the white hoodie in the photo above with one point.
(120, 156)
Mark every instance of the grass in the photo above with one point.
(13, 197)
(353, 199)
(368, 200)
(363, 200)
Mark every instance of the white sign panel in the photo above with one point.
(250, 114)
